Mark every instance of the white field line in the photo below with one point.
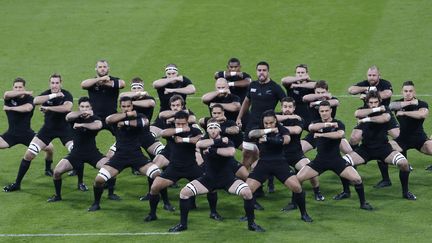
(88, 234)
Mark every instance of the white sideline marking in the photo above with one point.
(88, 234)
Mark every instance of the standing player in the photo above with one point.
(411, 113)
(55, 104)
(222, 95)
(238, 81)
(373, 122)
(169, 85)
(263, 94)
(328, 132)
(384, 87)
(181, 140)
(272, 137)
(85, 128)
(103, 91)
(127, 125)
(19, 110)
(298, 86)
(218, 152)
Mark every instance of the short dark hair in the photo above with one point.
(19, 80)
(181, 115)
(84, 99)
(137, 80)
(125, 98)
(175, 98)
(233, 59)
(321, 84)
(289, 100)
(305, 66)
(102, 60)
(217, 106)
(408, 83)
(212, 120)
(268, 113)
(263, 63)
(325, 103)
(372, 94)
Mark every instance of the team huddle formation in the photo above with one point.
(241, 117)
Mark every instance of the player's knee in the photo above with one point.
(103, 176)
(188, 191)
(57, 174)
(401, 161)
(153, 171)
(356, 180)
(33, 149)
(246, 193)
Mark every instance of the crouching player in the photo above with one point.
(217, 153)
(128, 126)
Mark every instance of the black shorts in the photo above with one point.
(176, 173)
(337, 165)
(412, 142)
(235, 165)
(393, 123)
(280, 169)
(46, 135)
(90, 158)
(220, 182)
(14, 139)
(310, 139)
(147, 139)
(293, 159)
(380, 153)
(121, 163)
(160, 123)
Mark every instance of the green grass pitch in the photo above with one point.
(338, 39)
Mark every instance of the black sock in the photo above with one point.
(48, 164)
(300, 201)
(97, 191)
(164, 195)
(259, 190)
(80, 173)
(150, 183)
(111, 184)
(249, 210)
(192, 202)
(403, 177)
(212, 198)
(24, 166)
(292, 198)
(360, 192)
(383, 167)
(57, 186)
(345, 185)
(153, 201)
(184, 211)
(316, 189)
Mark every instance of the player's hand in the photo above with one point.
(414, 102)
(28, 92)
(400, 113)
(362, 96)
(239, 122)
(262, 139)
(186, 129)
(170, 120)
(142, 94)
(131, 114)
(86, 114)
(120, 124)
(225, 140)
(178, 139)
(104, 79)
(179, 78)
(44, 109)
(317, 135)
(6, 108)
(168, 91)
(77, 125)
(59, 94)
